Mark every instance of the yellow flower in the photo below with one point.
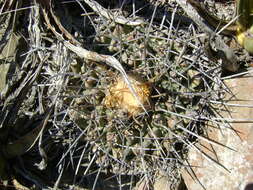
(245, 24)
(120, 96)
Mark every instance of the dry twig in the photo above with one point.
(113, 16)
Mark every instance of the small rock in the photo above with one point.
(217, 167)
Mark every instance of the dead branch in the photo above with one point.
(113, 16)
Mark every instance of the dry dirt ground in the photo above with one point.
(61, 124)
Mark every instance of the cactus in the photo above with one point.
(96, 126)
